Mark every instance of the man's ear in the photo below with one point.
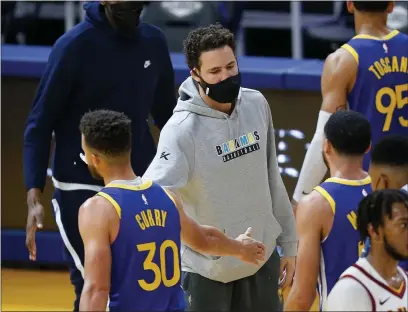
(350, 7)
(95, 160)
(194, 74)
(384, 181)
(374, 233)
(368, 148)
(390, 7)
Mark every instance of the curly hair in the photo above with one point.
(373, 208)
(107, 132)
(205, 39)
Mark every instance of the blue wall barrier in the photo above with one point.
(257, 73)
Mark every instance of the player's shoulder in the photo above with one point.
(100, 204)
(355, 271)
(313, 208)
(315, 201)
(351, 271)
(346, 292)
(74, 40)
(252, 97)
(351, 277)
(178, 127)
(341, 60)
(253, 100)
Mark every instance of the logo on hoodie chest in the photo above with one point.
(238, 147)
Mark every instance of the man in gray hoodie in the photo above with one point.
(218, 153)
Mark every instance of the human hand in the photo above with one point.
(287, 271)
(35, 219)
(251, 251)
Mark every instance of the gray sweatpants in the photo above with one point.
(258, 292)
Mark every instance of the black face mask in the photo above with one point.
(125, 15)
(225, 91)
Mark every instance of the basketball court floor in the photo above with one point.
(35, 290)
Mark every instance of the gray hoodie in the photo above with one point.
(225, 169)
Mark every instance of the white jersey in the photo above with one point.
(361, 288)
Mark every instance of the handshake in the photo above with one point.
(249, 250)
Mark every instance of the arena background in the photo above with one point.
(290, 86)
(291, 110)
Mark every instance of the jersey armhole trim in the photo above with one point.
(328, 197)
(373, 305)
(113, 202)
(170, 196)
(351, 50)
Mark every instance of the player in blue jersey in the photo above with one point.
(389, 167)
(132, 229)
(326, 218)
(369, 75)
(389, 163)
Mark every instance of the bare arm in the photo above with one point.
(95, 218)
(312, 214)
(338, 78)
(208, 239)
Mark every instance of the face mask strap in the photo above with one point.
(202, 83)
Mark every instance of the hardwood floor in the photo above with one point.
(31, 290)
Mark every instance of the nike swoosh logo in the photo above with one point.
(384, 301)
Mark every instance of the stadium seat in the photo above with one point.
(323, 38)
(177, 18)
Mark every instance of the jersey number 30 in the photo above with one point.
(396, 101)
(159, 271)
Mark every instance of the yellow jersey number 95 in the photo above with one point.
(397, 101)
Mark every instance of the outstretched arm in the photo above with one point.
(94, 219)
(313, 212)
(338, 77)
(208, 239)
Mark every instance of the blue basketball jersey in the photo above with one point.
(341, 248)
(146, 264)
(381, 88)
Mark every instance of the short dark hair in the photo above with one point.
(371, 6)
(107, 132)
(205, 39)
(349, 132)
(391, 151)
(375, 206)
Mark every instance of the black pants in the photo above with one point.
(66, 205)
(257, 293)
